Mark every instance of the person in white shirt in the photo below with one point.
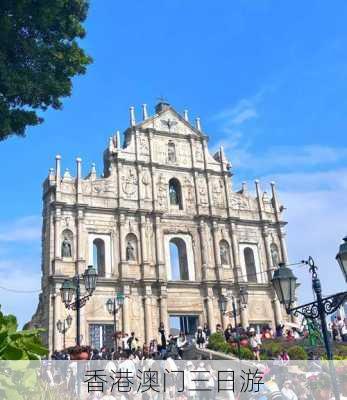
(287, 391)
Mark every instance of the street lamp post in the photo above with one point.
(242, 303)
(63, 327)
(71, 287)
(113, 306)
(284, 283)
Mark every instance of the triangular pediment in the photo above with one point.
(170, 121)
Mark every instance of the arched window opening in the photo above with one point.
(224, 252)
(274, 255)
(131, 247)
(175, 193)
(67, 243)
(171, 152)
(250, 265)
(99, 256)
(178, 260)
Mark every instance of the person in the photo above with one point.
(287, 391)
(181, 343)
(125, 343)
(228, 333)
(219, 329)
(162, 338)
(253, 341)
(153, 347)
(206, 330)
(279, 330)
(200, 337)
(132, 341)
(344, 332)
(335, 331)
(172, 349)
(289, 335)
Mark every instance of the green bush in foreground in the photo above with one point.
(19, 345)
(297, 353)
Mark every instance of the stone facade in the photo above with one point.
(162, 188)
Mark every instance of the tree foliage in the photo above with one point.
(39, 56)
(19, 345)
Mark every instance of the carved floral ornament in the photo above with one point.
(238, 202)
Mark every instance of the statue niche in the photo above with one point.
(66, 245)
(171, 152)
(224, 252)
(131, 247)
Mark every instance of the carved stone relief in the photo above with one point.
(217, 193)
(202, 187)
(144, 146)
(162, 192)
(238, 202)
(129, 182)
(146, 182)
(190, 199)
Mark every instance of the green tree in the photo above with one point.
(19, 345)
(39, 56)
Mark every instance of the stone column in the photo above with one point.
(57, 233)
(79, 243)
(143, 239)
(268, 254)
(126, 310)
(202, 236)
(57, 177)
(52, 329)
(277, 310)
(204, 146)
(218, 266)
(244, 317)
(226, 316)
(282, 236)
(79, 180)
(161, 273)
(122, 259)
(119, 185)
(236, 255)
(210, 310)
(148, 315)
(163, 308)
(191, 141)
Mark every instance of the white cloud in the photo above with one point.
(22, 229)
(285, 157)
(312, 185)
(316, 226)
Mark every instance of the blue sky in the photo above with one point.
(267, 78)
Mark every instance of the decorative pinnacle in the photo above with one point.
(132, 116)
(198, 124)
(144, 112)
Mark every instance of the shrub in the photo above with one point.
(271, 349)
(246, 354)
(297, 353)
(215, 341)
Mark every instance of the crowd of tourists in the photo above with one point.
(128, 347)
(338, 329)
(202, 380)
(173, 346)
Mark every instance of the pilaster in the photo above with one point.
(148, 314)
(236, 254)
(126, 310)
(159, 246)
